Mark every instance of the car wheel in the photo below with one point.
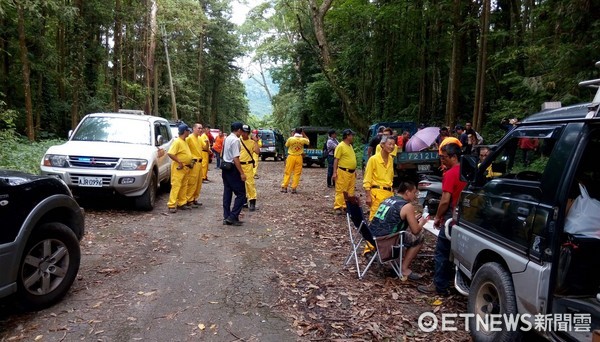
(492, 292)
(148, 198)
(322, 165)
(49, 265)
(263, 158)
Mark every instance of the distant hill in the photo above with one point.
(258, 100)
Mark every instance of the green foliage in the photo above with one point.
(18, 153)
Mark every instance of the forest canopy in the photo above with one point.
(338, 63)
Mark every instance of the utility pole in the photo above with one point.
(173, 102)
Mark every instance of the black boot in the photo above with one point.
(252, 205)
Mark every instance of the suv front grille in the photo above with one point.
(93, 162)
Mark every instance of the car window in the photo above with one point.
(165, 131)
(112, 129)
(507, 202)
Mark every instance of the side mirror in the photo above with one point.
(69, 134)
(160, 140)
(468, 168)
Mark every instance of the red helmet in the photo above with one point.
(255, 131)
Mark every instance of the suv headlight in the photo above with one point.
(133, 164)
(56, 160)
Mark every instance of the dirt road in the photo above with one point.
(154, 276)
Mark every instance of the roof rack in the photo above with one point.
(131, 111)
(593, 84)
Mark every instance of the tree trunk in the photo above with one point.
(481, 66)
(171, 88)
(455, 72)
(318, 16)
(150, 55)
(25, 71)
(116, 87)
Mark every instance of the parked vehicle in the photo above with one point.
(114, 153)
(430, 192)
(514, 253)
(313, 153)
(39, 240)
(273, 144)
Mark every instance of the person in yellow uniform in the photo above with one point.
(205, 149)
(180, 168)
(387, 132)
(195, 177)
(379, 176)
(344, 167)
(248, 150)
(293, 163)
(256, 155)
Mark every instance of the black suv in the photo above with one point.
(514, 250)
(39, 240)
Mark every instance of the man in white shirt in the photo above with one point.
(233, 177)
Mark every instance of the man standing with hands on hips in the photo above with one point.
(233, 177)
(248, 153)
(344, 167)
(182, 163)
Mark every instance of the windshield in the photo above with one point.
(112, 129)
(266, 136)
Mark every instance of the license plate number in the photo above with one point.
(315, 157)
(425, 167)
(422, 194)
(94, 182)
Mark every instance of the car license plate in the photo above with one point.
(424, 167)
(315, 157)
(422, 194)
(264, 149)
(95, 182)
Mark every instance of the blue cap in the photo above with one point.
(182, 128)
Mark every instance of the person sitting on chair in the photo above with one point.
(397, 213)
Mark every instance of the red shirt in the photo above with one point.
(451, 183)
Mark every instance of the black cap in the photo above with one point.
(457, 127)
(347, 132)
(246, 128)
(236, 125)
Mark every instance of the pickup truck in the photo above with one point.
(514, 253)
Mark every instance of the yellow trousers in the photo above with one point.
(179, 183)
(293, 164)
(345, 182)
(204, 165)
(250, 184)
(377, 196)
(255, 169)
(194, 183)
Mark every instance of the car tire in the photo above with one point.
(146, 201)
(263, 158)
(492, 292)
(52, 252)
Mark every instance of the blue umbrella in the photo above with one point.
(422, 139)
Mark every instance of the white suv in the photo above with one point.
(124, 153)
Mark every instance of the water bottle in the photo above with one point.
(425, 212)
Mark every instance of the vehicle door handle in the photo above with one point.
(523, 211)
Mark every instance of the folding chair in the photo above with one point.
(388, 249)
